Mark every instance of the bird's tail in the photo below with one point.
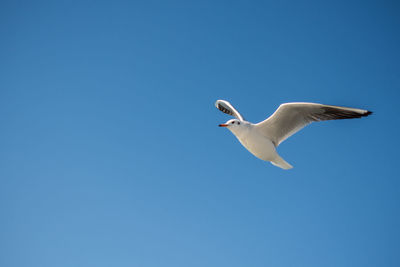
(281, 163)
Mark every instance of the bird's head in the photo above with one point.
(230, 123)
(235, 125)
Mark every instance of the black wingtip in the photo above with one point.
(368, 113)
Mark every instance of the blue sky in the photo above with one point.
(111, 155)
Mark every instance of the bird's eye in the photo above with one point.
(233, 122)
(239, 123)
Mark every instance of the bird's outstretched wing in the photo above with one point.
(289, 118)
(227, 108)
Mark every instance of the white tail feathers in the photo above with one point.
(281, 163)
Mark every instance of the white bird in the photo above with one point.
(261, 139)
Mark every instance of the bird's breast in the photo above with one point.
(258, 145)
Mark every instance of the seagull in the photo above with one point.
(261, 139)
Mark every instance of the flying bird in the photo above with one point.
(261, 139)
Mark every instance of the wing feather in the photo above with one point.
(227, 108)
(290, 118)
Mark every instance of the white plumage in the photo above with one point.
(261, 139)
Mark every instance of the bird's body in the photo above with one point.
(261, 139)
(258, 145)
(255, 142)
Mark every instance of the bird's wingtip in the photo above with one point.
(368, 113)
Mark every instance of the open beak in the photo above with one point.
(223, 125)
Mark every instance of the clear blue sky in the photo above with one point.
(110, 154)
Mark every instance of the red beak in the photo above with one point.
(223, 125)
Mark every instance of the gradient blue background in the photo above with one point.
(110, 154)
